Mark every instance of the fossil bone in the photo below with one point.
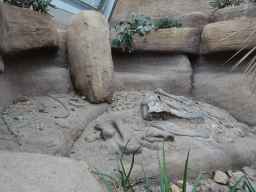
(118, 123)
(154, 132)
(107, 130)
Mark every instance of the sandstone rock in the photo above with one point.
(175, 188)
(89, 53)
(39, 128)
(175, 40)
(43, 173)
(220, 177)
(213, 33)
(224, 188)
(180, 183)
(193, 19)
(160, 9)
(143, 71)
(235, 12)
(1, 65)
(234, 177)
(24, 29)
(251, 173)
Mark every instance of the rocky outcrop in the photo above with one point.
(247, 10)
(194, 19)
(23, 29)
(214, 33)
(216, 140)
(43, 173)
(175, 40)
(89, 53)
(143, 71)
(47, 125)
(34, 73)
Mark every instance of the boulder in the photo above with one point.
(23, 29)
(144, 71)
(44, 125)
(175, 40)
(213, 84)
(214, 33)
(89, 54)
(235, 12)
(159, 9)
(194, 19)
(38, 172)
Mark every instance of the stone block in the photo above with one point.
(23, 29)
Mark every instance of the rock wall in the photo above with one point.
(157, 9)
(35, 72)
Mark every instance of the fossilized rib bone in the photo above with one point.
(107, 130)
(154, 132)
(118, 123)
(180, 131)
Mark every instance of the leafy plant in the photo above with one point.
(166, 23)
(138, 25)
(38, 5)
(251, 1)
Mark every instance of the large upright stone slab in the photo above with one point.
(89, 53)
(24, 29)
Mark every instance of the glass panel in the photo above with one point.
(93, 3)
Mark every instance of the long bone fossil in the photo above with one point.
(107, 130)
(118, 123)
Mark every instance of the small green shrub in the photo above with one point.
(220, 4)
(138, 25)
(166, 23)
(38, 5)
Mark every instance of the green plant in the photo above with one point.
(123, 178)
(165, 187)
(166, 23)
(38, 5)
(219, 4)
(138, 25)
(251, 1)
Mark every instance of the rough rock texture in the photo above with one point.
(212, 84)
(24, 29)
(89, 53)
(213, 33)
(194, 19)
(34, 73)
(235, 12)
(175, 40)
(1, 65)
(161, 8)
(43, 173)
(226, 140)
(40, 125)
(145, 71)
(220, 177)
